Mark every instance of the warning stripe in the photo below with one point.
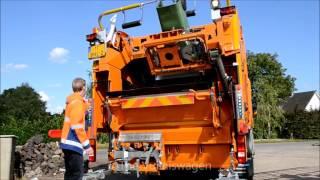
(157, 101)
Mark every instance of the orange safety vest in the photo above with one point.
(73, 135)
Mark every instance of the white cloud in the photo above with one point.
(13, 67)
(49, 107)
(58, 109)
(44, 96)
(59, 55)
(20, 66)
(55, 109)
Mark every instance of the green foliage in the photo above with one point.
(102, 138)
(22, 103)
(270, 87)
(22, 113)
(302, 125)
(89, 85)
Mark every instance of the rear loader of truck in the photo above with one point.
(175, 101)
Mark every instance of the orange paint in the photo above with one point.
(197, 126)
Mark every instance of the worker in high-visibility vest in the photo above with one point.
(74, 140)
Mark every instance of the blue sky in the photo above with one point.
(43, 42)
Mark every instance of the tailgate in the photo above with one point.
(162, 110)
(157, 100)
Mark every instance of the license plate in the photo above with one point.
(97, 51)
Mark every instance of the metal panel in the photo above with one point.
(140, 137)
(128, 155)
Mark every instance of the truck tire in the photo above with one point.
(250, 151)
(250, 170)
(250, 144)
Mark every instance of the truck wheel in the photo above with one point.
(250, 143)
(250, 170)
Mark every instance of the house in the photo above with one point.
(302, 101)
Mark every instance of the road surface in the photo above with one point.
(290, 160)
(285, 160)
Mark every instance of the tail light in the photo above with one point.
(91, 37)
(227, 10)
(241, 153)
(92, 158)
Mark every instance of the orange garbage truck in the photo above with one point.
(175, 101)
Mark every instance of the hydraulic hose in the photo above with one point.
(223, 74)
(216, 59)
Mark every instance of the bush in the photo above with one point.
(302, 125)
(102, 138)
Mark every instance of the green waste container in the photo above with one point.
(172, 17)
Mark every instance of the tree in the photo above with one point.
(22, 102)
(23, 113)
(270, 87)
(302, 125)
(89, 85)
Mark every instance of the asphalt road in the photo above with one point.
(286, 160)
(290, 160)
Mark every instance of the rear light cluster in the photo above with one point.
(227, 10)
(241, 150)
(92, 37)
(92, 158)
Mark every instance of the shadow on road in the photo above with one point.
(300, 176)
(311, 173)
(101, 166)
